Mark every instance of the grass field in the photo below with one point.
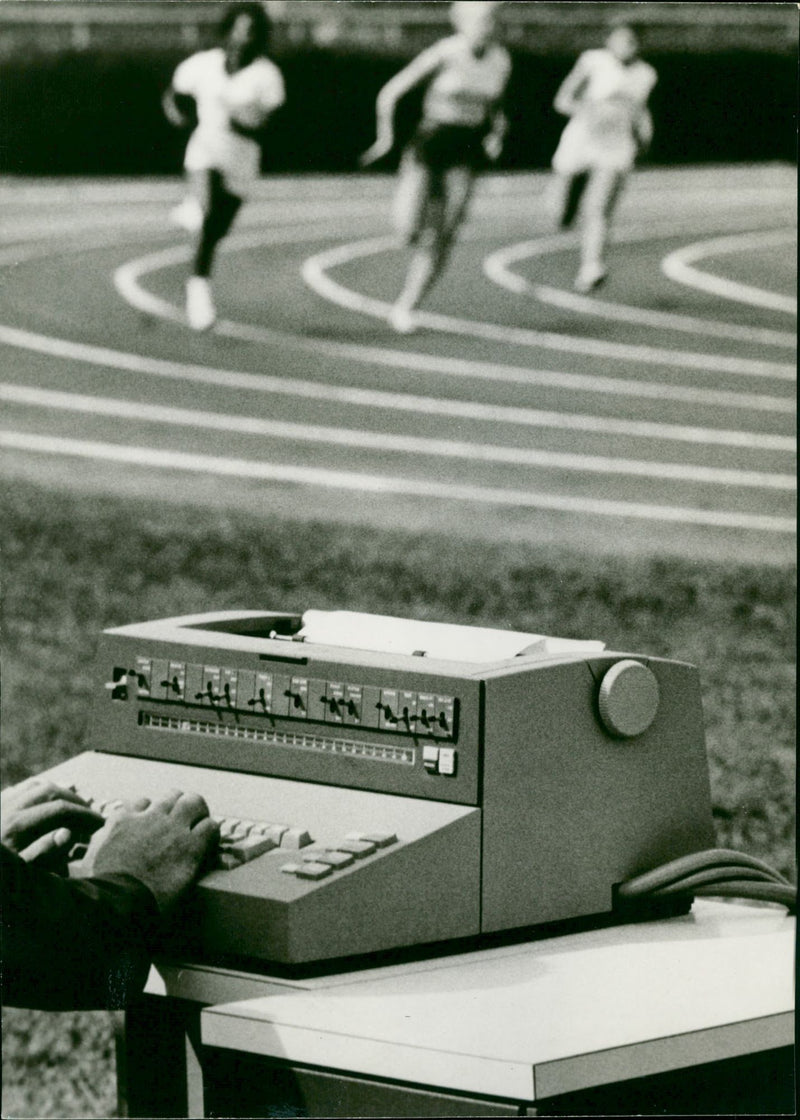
(74, 564)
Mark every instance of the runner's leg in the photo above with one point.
(448, 196)
(219, 207)
(602, 195)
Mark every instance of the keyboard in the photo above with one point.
(303, 871)
(242, 840)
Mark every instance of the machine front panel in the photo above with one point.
(412, 733)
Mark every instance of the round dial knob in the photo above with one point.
(628, 699)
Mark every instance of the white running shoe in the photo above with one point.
(200, 310)
(402, 320)
(591, 276)
(188, 214)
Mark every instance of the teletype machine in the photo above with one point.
(384, 783)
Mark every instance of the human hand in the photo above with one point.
(493, 145)
(382, 146)
(163, 844)
(180, 109)
(40, 820)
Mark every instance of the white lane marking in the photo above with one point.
(127, 280)
(315, 274)
(678, 267)
(118, 361)
(497, 267)
(386, 441)
(691, 186)
(385, 484)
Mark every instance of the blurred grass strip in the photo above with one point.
(73, 565)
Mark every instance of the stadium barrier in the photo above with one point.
(97, 112)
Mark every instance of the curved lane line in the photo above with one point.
(139, 412)
(127, 280)
(384, 484)
(497, 268)
(778, 524)
(678, 267)
(122, 361)
(315, 274)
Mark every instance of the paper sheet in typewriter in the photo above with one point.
(448, 642)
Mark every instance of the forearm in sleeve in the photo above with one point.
(71, 944)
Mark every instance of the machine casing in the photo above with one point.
(512, 802)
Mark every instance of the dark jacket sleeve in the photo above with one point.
(72, 944)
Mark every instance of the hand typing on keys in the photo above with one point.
(40, 821)
(163, 843)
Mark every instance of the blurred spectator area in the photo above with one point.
(82, 81)
(395, 27)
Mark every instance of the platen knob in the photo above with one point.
(628, 699)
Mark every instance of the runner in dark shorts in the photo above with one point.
(462, 128)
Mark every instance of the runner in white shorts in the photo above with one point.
(234, 88)
(605, 96)
(462, 127)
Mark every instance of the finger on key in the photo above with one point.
(167, 802)
(37, 791)
(207, 833)
(57, 840)
(54, 813)
(191, 808)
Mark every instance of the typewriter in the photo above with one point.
(385, 783)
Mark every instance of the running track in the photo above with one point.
(655, 415)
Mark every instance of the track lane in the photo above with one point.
(331, 359)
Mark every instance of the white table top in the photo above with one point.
(546, 1017)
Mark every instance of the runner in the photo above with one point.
(462, 126)
(605, 96)
(233, 88)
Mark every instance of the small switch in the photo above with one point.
(447, 761)
(249, 847)
(334, 702)
(159, 681)
(307, 870)
(227, 860)
(230, 683)
(295, 838)
(262, 699)
(118, 685)
(353, 703)
(379, 839)
(144, 675)
(210, 691)
(333, 859)
(388, 709)
(275, 831)
(245, 690)
(193, 688)
(430, 759)
(407, 710)
(357, 848)
(443, 724)
(297, 694)
(426, 713)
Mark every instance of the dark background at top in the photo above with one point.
(81, 82)
(100, 113)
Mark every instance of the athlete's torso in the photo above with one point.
(215, 91)
(613, 93)
(465, 88)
